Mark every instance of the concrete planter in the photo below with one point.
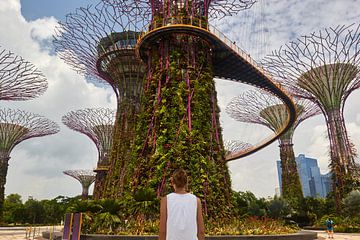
(295, 236)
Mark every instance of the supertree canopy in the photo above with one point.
(15, 127)
(263, 108)
(85, 177)
(324, 68)
(179, 123)
(19, 79)
(98, 125)
(99, 42)
(208, 8)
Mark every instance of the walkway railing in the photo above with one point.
(205, 26)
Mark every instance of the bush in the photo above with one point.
(352, 204)
(278, 208)
(249, 226)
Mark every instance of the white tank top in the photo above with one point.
(181, 217)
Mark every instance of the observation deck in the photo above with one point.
(119, 47)
(229, 61)
(103, 168)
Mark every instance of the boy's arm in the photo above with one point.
(200, 222)
(163, 219)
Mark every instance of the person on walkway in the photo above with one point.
(330, 228)
(180, 212)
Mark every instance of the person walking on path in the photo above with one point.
(330, 228)
(180, 212)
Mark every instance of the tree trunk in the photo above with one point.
(179, 126)
(85, 192)
(121, 153)
(342, 156)
(290, 181)
(4, 163)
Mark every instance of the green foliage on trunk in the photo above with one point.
(179, 125)
(290, 180)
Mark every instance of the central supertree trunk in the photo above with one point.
(4, 163)
(179, 125)
(291, 186)
(342, 155)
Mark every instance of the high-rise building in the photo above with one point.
(314, 184)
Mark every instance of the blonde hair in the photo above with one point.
(179, 178)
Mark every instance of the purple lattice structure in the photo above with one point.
(324, 68)
(85, 177)
(209, 8)
(99, 42)
(19, 79)
(233, 146)
(15, 127)
(262, 108)
(98, 125)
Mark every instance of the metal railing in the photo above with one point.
(203, 24)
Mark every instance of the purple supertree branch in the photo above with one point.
(17, 126)
(232, 146)
(19, 79)
(260, 107)
(324, 68)
(312, 59)
(97, 124)
(78, 40)
(213, 8)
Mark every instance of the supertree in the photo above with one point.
(233, 146)
(179, 122)
(19, 79)
(99, 43)
(324, 68)
(15, 127)
(265, 109)
(98, 125)
(85, 177)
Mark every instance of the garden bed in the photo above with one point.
(294, 236)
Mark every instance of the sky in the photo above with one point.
(36, 165)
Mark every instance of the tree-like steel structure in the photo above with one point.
(98, 125)
(85, 177)
(179, 123)
(233, 146)
(324, 68)
(99, 42)
(15, 127)
(19, 79)
(210, 8)
(263, 108)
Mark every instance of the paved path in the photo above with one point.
(20, 233)
(322, 235)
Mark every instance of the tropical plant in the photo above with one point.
(352, 204)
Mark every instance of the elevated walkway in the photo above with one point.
(230, 62)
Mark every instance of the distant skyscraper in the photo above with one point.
(314, 184)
